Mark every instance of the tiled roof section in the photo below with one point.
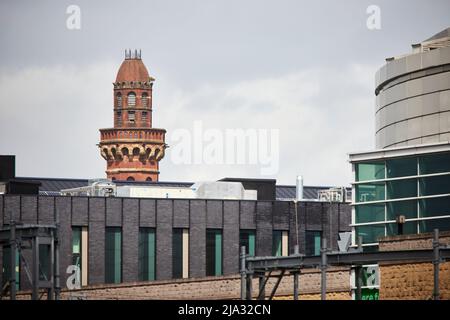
(132, 70)
(56, 184)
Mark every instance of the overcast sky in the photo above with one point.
(305, 68)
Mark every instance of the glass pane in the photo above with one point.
(312, 243)
(435, 163)
(44, 262)
(434, 185)
(370, 234)
(430, 225)
(218, 254)
(402, 208)
(393, 229)
(369, 171)
(247, 239)
(113, 255)
(369, 213)
(276, 243)
(402, 189)
(434, 207)
(213, 252)
(370, 192)
(177, 253)
(6, 267)
(401, 167)
(146, 254)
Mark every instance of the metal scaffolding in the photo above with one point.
(265, 267)
(20, 237)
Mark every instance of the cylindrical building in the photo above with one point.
(413, 95)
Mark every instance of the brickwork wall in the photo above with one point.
(227, 287)
(412, 281)
(130, 214)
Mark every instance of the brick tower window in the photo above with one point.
(119, 118)
(119, 100)
(130, 179)
(131, 116)
(144, 99)
(144, 115)
(131, 99)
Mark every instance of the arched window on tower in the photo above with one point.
(119, 100)
(148, 179)
(130, 179)
(144, 99)
(131, 99)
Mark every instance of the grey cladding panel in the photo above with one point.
(130, 231)
(97, 209)
(214, 214)
(230, 237)
(147, 213)
(181, 214)
(46, 210)
(164, 232)
(197, 239)
(80, 211)
(29, 209)
(114, 212)
(248, 214)
(281, 215)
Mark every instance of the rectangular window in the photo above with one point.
(398, 189)
(80, 252)
(370, 234)
(434, 163)
(247, 240)
(144, 115)
(434, 207)
(213, 252)
(113, 255)
(147, 249)
(76, 247)
(402, 208)
(131, 116)
(394, 229)
(180, 253)
(6, 267)
(44, 262)
(313, 242)
(119, 118)
(434, 185)
(369, 213)
(430, 225)
(401, 167)
(370, 192)
(279, 243)
(370, 171)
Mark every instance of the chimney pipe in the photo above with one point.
(299, 188)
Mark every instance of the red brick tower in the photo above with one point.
(132, 149)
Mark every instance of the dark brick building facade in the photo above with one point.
(196, 215)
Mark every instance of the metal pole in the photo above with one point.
(249, 285)
(57, 276)
(358, 275)
(323, 268)
(262, 286)
(243, 274)
(296, 251)
(12, 262)
(436, 264)
(35, 268)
